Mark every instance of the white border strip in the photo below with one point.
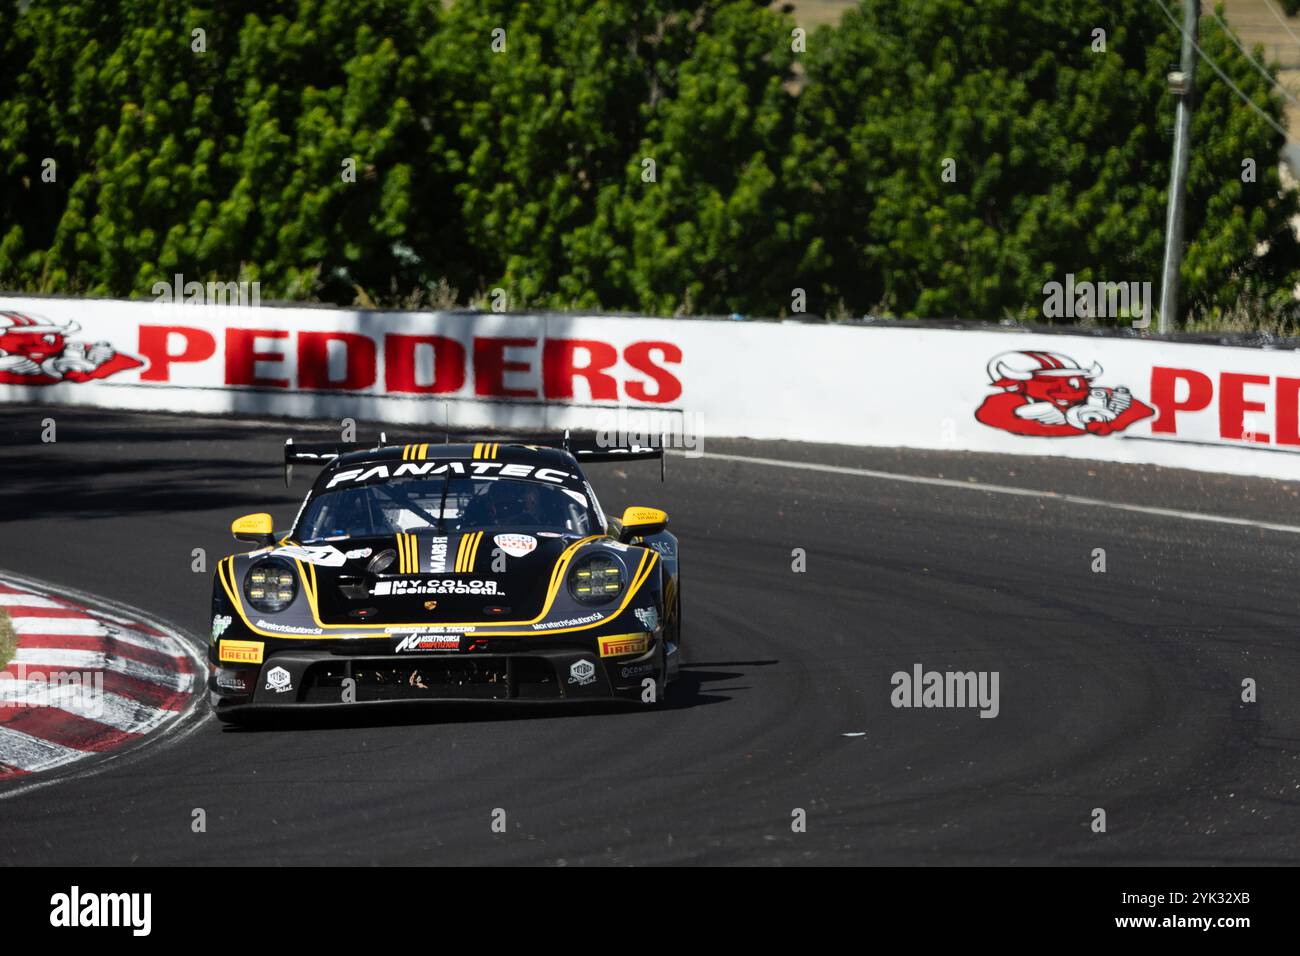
(112, 710)
(173, 731)
(35, 754)
(1001, 490)
(101, 660)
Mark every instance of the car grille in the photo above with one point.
(432, 677)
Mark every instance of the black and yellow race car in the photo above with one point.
(481, 571)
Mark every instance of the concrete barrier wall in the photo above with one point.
(1207, 407)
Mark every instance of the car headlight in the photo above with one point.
(270, 586)
(596, 579)
(381, 562)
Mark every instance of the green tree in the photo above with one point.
(557, 108)
(940, 157)
(1060, 154)
(219, 155)
(719, 227)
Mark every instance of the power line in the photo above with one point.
(1272, 80)
(1273, 10)
(1223, 76)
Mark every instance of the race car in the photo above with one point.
(481, 571)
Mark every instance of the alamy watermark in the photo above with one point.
(81, 692)
(1098, 300)
(179, 292)
(133, 911)
(624, 427)
(922, 688)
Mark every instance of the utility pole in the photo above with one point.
(1181, 85)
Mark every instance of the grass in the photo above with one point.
(8, 639)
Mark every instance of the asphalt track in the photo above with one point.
(1118, 690)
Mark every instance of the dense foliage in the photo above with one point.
(936, 158)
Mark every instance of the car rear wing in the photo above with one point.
(583, 448)
(316, 453)
(593, 449)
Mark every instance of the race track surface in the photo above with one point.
(1118, 690)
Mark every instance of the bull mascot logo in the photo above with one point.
(38, 351)
(1051, 395)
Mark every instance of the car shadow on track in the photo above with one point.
(688, 691)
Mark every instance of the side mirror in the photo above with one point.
(642, 522)
(254, 528)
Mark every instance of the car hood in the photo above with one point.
(472, 578)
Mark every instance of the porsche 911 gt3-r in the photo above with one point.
(481, 571)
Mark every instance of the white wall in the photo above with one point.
(898, 386)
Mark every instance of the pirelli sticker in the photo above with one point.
(620, 645)
(241, 652)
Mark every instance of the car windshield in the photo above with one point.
(412, 504)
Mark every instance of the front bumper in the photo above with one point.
(306, 678)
